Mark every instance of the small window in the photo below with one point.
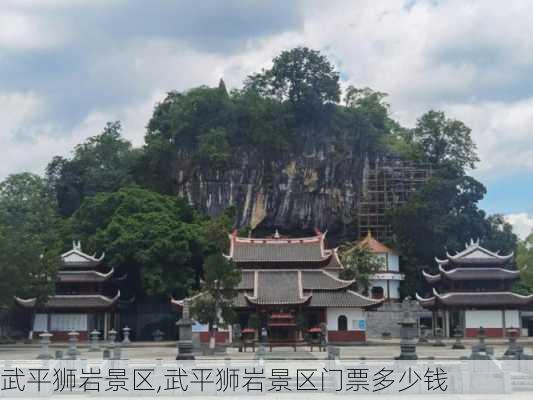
(342, 323)
(377, 292)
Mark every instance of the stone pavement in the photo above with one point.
(167, 351)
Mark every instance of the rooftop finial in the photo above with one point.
(276, 234)
(76, 245)
(369, 234)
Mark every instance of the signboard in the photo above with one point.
(362, 325)
(388, 276)
(198, 327)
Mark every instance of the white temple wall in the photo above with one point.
(484, 318)
(353, 315)
(493, 321)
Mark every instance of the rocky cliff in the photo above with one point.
(318, 186)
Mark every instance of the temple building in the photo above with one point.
(291, 286)
(472, 289)
(85, 298)
(385, 284)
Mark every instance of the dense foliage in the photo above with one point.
(103, 163)
(524, 261)
(444, 214)
(273, 117)
(29, 238)
(360, 264)
(157, 240)
(214, 304)
(123, 201)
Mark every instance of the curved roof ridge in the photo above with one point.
(441, 262)
(270, 240)
(473, 246)
(430, 276)
(303, 299)
(336, 279)
(424, 299)
(97, 273)
(362, 296)
(26, 302)
(87, 296)
(482, 269)
(179, 303)
(443, 296)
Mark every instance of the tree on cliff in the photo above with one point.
(444, 141)
(302, 76)
(103, 163)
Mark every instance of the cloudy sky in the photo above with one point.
(68, 66)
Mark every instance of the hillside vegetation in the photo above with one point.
(286, 150)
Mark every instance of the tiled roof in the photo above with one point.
(480, 273)
(374, 246)
(278, 287)
(77, 258)
(277, 252)
(73, 301)
(342, 298)
(476, 300)
(474, 254)
(471, 274)
(318, 287)
(83, 276)
(322, 280)
(247, 280)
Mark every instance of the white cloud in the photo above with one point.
(522, 224)
(35, 150)
(472, 59)
(24, 31)
(503, 133)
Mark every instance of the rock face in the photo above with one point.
(317, 187)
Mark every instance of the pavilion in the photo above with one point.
(473, 288)
(385, 283)
(85, 298)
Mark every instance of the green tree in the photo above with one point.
(214, 304)
(300, 75)
(445, 141)
(155, 239)
(441, 216)
(214, 148)
(29, 238)
(103, 163)
(524, 261)
(360, 264)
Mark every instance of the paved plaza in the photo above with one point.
(167, 351)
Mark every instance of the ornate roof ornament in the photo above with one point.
(475, 252)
